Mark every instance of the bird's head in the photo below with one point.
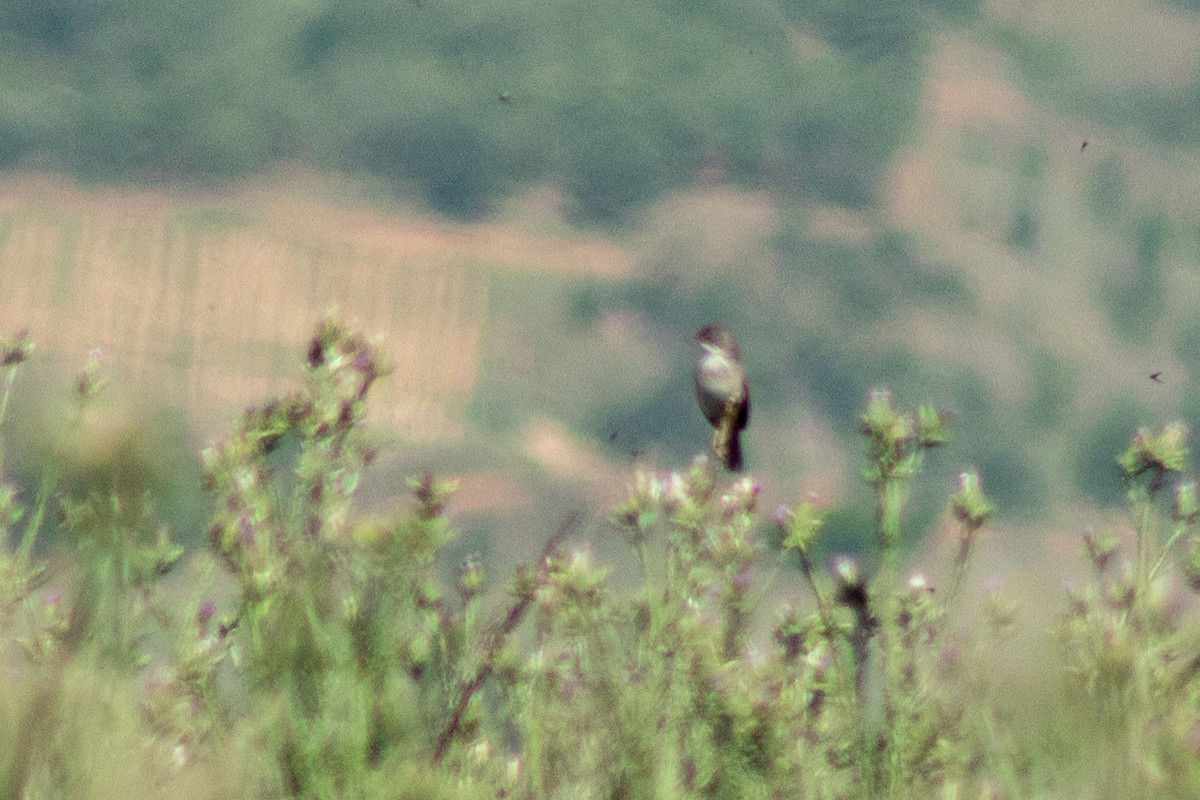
(714, 334)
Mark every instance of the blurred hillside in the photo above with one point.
(987, 206)
(463, 102)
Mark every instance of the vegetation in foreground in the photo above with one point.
(323, 658)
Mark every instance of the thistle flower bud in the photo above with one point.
(880, 420)
(89, 383)
(432, 494)
(470, 580)
(896, 439)
(791, 632)
(645, 503)
(741, 497)
(800, 527)
(1157, 454)
(969, 504)
(818, 660)
(851, 590)
(932, 426)
(918, 585)
(1100, 549)
(16, 349)
(846, 572)
(700, 479)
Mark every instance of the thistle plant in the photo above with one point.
(81, 641)
(18, 572)
(972, 508)
(330, 660)
(1132, 657)
(1146, 465)
(897, 443)
(343, 621)
(885, 651)
(696, 545)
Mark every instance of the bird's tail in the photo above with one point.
(726, 439)
(733, 451)
(727, 444)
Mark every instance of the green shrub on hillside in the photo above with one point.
(460, 103)
(1134, 292)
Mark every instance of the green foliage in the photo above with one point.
(460, 103)
(1107, 189)
(1187, 341)
(846, 530)
(872, 279)
(1050, 382)
(1164, 115)
(338, 664)
(958, 10)
(1135, 295)
(1024, 230)
(1151, 235)
(458, 169)
(1045, 61)
(1156, 454)
(869, 30)
(1096, 476)
(1031, 164)
(1012, 480)
(1132, 659)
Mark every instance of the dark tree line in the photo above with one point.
(461, 102)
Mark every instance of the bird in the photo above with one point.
(722, 392)
(1156, 377)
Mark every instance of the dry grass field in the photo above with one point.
(202, 301)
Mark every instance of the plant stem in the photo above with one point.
(511, 621)
(1143, 547)
(1176, 534)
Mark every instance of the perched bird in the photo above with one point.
(722, 392)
